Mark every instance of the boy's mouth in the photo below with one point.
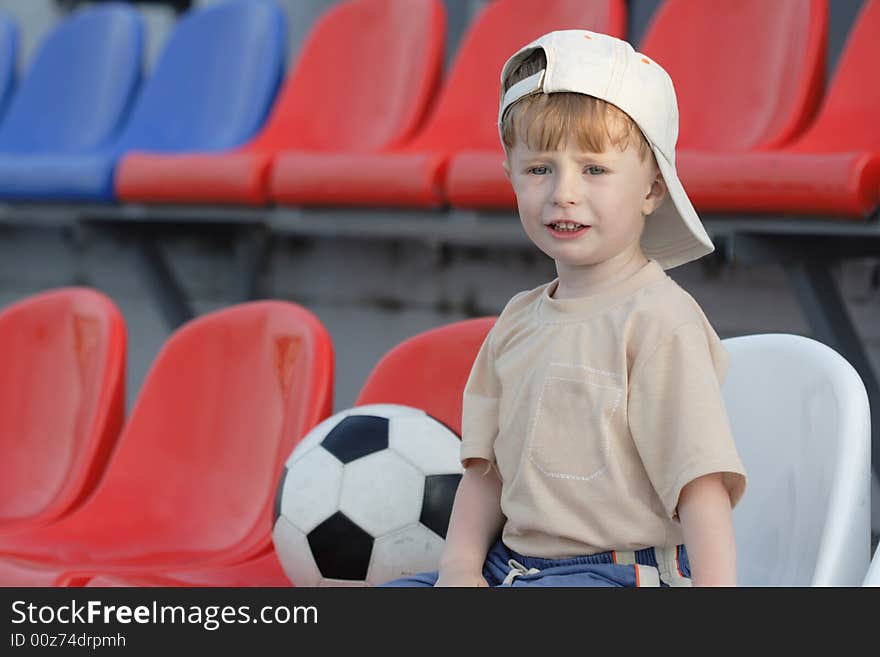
(566, 227)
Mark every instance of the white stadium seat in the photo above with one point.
(800, 417)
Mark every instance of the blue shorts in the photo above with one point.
(647, 567)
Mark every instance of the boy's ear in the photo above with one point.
(506, 166)
(656, 194)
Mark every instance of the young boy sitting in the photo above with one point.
(594, 432)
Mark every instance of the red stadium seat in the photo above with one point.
(15, 573)
(193, 479)
(831, 169)
(264, 570)
(62, 402)
(429, 370)
(747, 75)
(465, 116)
(363, 81)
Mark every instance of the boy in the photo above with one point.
(594, 432)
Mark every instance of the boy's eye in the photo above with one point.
(538, 171)
(595, 170)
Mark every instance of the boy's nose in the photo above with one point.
(567, 190)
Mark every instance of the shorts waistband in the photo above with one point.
(668, 564)
(645, 557)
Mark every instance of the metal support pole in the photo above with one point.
(252, 248)
(163, 284)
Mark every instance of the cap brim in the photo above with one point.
(673, 233)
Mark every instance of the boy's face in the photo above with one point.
(583, 208)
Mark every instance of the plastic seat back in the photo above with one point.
(747, 74)
(193, 479)
(429, 370)
(214, 81)
(847, 119)
(800, 418)
(363, 80)
(62, 401)
(8, 59)
(80, 85)
(466, 113)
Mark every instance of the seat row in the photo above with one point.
(180, 493)
(366, 117)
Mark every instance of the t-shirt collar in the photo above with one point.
(551, 309)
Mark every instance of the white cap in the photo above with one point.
(610, 69)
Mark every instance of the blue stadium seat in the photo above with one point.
(210, 89)
(214, 82)
(71, 103)
(8, 59)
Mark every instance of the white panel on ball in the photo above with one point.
(409, 551)
(381, 492)
(311, 489)
(295, 558)
(427, 443)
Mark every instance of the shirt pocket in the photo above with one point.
(572, 423)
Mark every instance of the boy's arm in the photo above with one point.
(706, 521)
(474, 524)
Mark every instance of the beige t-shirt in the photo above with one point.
(597, 411)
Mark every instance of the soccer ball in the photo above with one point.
(366, 496)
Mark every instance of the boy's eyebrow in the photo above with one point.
(605, 157)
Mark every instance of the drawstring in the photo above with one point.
(517, 570)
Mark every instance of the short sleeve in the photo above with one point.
(677, 415)
(479, 416)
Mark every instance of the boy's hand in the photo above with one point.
(462, 576)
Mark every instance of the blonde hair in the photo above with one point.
(544, 121)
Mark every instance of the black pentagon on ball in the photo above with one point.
(437, 502)
(341, 549)
(279, 492)
(356, 436)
